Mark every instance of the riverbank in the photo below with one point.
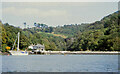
(71, 52)
(80, 52)
(5, 53)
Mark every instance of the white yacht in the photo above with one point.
(18, 52)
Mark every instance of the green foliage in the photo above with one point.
(103, 35)
(30, 36)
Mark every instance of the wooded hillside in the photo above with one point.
(103, 35)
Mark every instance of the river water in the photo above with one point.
(60, 63)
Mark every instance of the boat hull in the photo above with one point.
(18, 52)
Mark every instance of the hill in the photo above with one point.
(103, 35)
(28, 37)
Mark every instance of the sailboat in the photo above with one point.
(18, 52)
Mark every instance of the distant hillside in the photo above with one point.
(103, 35)
(63, 31)
(58, 35)
(28, 37)
(69, 30)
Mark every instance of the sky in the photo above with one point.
(55, 13)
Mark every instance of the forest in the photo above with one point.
(103, 35)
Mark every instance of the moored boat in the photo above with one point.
(18, 52)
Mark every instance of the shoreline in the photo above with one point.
(80, 52)
(71, 53)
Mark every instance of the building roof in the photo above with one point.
(38, 45)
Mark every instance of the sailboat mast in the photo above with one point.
(18, 41)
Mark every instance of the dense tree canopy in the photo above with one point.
(103, 35)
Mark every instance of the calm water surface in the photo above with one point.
(60, 63)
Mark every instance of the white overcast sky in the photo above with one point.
(55, 13)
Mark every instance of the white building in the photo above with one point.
(30, 47)
(37, 48)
